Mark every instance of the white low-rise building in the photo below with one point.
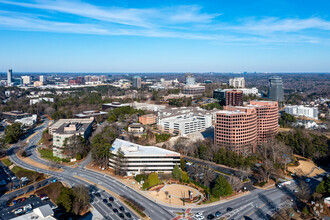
(186, 120)
(138, 158)
(250, 91)
(147, 106)
(46, 99)
(28, 121)
(302, 111)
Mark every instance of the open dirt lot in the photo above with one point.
(307, 167)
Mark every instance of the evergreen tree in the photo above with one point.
(153, 179)
(65, 199)
(221, 187)
(176, 173)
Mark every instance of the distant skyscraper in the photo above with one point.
(42, 79)
(136, 82)
(190, 79)
(237, 82)
(276, 92)
(9, 76)
(26, 79)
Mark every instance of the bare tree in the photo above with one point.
(235, 183)
(81, 198)
(158, 190)
(208, 177)
(304, 192)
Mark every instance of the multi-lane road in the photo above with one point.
(258, 204)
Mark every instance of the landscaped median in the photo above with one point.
(133, 207)
(39, 165)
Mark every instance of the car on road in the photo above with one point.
(105, 200)
(218, 213)
(18, 211)
(210, 216)
(115, 210)
(128, 215)
(121, 215)
(121, 208)
(98, 195)
(109, 204)
(229, 209)
(111, 199)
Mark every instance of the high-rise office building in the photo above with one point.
(10, 76)
(26, 79)
(229, 97)
(190, 79)
(237, 82)
(136, 82)
(276, 92)
(241, 129)
(42, 79)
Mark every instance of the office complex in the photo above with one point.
(193, 90)
(276, 91)
(26, 79)
(136, 82)
(236, 129)
(113, 105)
(190, 79)
(9, 77)
(241, 128)
(302, 111)
(267, 113)
(148, 119)
(184, 121)
(147, 106)
(237, 82)
(66, 128)
(138, 158)
(229, 96)
(14, 115)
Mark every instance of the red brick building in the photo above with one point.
(234, 97)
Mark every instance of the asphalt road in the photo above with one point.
(259, 204)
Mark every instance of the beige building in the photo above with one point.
(148, 119)
(66, 128)
(135, 128)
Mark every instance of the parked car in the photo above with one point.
(111, 199)
(18, 211)
(32, 196)
(109, 204)
(121, 208)
(105, 200)
(97, 194)
(229, 209)
(115, 210)
(218, 213)
(128, 215)
(23, 199)
(210, 216)
(121, 215)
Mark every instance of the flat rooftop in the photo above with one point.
(132, 149)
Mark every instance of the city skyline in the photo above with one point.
(171, 36)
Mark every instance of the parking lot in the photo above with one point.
(35, 202)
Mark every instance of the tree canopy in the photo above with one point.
(221, 187)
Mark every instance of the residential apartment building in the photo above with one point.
(66, 128)
(26, 79)
(241, 128)
(237, 82)
(184, 121)
(140, 158)
(148, 119)
(302, 111)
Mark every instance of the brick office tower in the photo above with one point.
(234, 97)
(267, 114)
(240, 129)
(236, 129)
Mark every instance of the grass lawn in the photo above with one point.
(20, 172)
(212, 199)
(48, 154)
(6, 162)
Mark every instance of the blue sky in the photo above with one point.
(165, 36)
